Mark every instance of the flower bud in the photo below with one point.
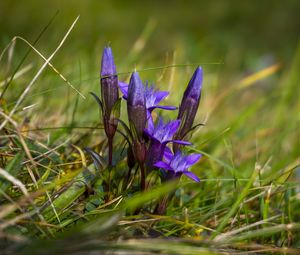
(190, 102)
(136, 105)
(109, 90)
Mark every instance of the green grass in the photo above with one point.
(52, 198)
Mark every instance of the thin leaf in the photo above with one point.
(116, 109)
(99, 161)
(79, 185)
(127, 130)
(98, 100)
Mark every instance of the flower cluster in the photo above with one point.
(154, 144)
(141, 101)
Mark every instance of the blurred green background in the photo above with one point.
(237, 31)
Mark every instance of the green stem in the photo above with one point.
(162, 205)
(110, 150)
(143, 177)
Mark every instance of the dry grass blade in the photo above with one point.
(26, 91)
(25, 147)
(14, 180)
(50, 64)
(226, 235)
(267, 231)
(49, 151)
(260, 75)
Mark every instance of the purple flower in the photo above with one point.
(136, 105)
(190, 102)
(153, 97)
(160, 135)
(109, 90)
(162, 132)
(179, 163)
(124, 89)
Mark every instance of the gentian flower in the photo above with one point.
(124, 89)
(137, 116)
(160, 135)
(153, 97)
(190, 102)
(162, 132)
(178, 164)
(109, 91)
(136, 105)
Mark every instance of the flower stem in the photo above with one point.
(162, 205)
(143, 177)
(163, 202)
(110, 150)
(110, 153)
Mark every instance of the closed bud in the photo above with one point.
(136, 105)
(190, 102)
(109, 90)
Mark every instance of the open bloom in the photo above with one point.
(153, 97)
(160, 135)
(179, 163)
(163, 132)
(109, 90)
(190, 102)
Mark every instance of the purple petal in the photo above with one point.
(150, 130)
(195, 85)
(136, 91)
(150, 127)
(163, 165)
(124, 89)
(168, 155)
(146, 131)
(191, 176)
(160, 95)
(192, 159)
(173, 126)
(149, 116)
(170, 108)
(153, 138)
(180, 142)
(108, 66)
